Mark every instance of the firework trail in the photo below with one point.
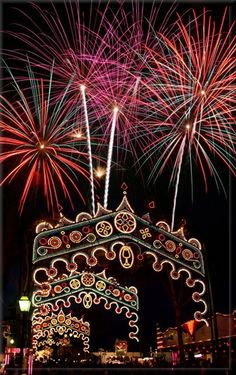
(109, 158)
(89, 148)
(190, 99)
(40, 142)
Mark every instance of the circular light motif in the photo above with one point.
(157, 266)
(68, 322)
(125, 222)
(88, 279)
(91, 237)
(43, 241)
(75, 236)
(45, 288)
(110, 255)
(92, 261)
(170, 246)
(104, 229)
(54, 322)
(198, 316)
(187, 254)
(71, 266)
(54, 242)
(52, 272)
(61, 318)
(157, 244)
(38, 298)
(44, 310)
(190, 282)
(126, 257)
(161, 237)
(58, 289)
(116, 292)
(127, 297)
(100, 285)
(74, 283)
(42, 251)
(174, 274)
(86, 230)
(196, 296)
(140, 257)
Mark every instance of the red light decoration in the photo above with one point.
(151, 204)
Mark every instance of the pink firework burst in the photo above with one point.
(191, 94)
(190, 98)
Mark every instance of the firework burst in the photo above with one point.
(42, 143)
(190, 98)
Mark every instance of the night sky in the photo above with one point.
(210, 218)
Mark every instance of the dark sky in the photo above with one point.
(210, 218)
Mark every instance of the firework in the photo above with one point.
(103, 49)
(41, 142)
(190, 99)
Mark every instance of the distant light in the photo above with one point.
(42, 146)
(82, 87)
(12, 341)
(100, 172)
(79, 135)
(187, 126)
(198, 355)
(115, 109)
(203, 92)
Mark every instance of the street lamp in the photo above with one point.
(24, 304)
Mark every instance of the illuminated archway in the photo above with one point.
(116, 234)
(45, 326)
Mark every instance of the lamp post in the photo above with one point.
(24, 304)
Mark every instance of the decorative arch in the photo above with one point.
(45, 326)
(118, 235)
(88, 289)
